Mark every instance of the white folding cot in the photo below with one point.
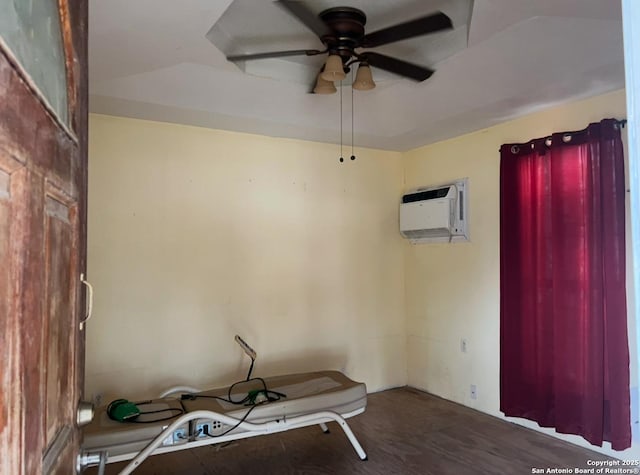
(308, 399)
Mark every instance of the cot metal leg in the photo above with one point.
(352, 438)
(324, 428)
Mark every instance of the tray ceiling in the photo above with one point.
(165, 60)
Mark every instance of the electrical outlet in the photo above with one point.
(474, 392)
(200, 430)
(463, 345)
(179, 435)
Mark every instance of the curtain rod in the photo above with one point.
(620, 123)
(567, 136)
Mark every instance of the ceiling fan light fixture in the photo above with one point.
(333, 69)
(323, 86)
(364, 78)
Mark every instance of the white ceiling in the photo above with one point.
(151, 59)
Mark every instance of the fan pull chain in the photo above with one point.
(341, 155)
(353, 157)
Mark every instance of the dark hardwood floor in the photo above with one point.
(404, 431)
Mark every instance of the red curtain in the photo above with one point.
(564, 356)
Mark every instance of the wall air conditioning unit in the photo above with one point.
(436, 214)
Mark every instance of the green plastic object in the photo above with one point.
(122, 410)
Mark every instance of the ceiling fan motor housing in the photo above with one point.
(346, 25)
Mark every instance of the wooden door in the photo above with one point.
(43, 176)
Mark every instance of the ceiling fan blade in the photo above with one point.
(421, 26)
(274, 54)
(308, 18)
(396, 66)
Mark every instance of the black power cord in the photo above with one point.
(205, 429)
(177, 410)
(172, 409)
(248, 400)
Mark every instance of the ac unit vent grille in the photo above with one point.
(426, 233)
(426, 195)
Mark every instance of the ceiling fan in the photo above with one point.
(341, 30)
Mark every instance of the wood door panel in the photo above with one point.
(60, 318)
(57, 157)
(5, 224)
(10, 378)
(31, 313)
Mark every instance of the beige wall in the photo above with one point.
(452, 290)
(196, 235)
